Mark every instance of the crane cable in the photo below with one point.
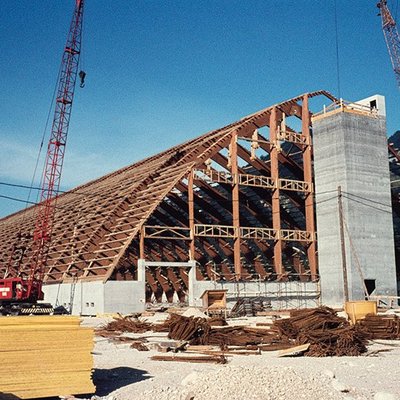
(337, 51)
(31, 187)
(82, 84)
(82, 73)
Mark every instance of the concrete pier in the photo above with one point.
(350, 150)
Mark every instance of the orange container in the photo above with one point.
(357, 310)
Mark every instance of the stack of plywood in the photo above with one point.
(43, 356)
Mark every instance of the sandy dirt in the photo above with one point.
(122, 373)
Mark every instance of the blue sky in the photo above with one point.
(162, 72)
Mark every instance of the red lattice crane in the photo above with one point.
(26, 290)
(392, 37)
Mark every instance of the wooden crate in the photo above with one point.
(214, 300)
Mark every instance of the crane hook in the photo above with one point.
(82, 75)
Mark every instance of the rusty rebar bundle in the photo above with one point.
(381, 326)
(124, 324)
(187, 328)
(327, 333)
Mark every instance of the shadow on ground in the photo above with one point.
(8, 396)
(108, 380)
(105, 380)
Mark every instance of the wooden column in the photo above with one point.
(276, 210)
(235, 207)
(192, 248)
(141, 244)
(309, 201)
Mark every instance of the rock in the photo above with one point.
(189, 379)
(384, 396)
(329, 373)
(189, 396)
(339, 386)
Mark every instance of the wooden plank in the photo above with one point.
(294, 351)
(45, 356)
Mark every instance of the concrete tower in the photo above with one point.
(350, 150)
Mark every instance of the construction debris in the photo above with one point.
(124, 324)
(217, 321)
(294, 351)
(187, 328)
(44, 356)
(138, 345)
(249, 307)
(326, 332)
(215, 359)
(381, 326)
(317, 332)
(229, 350)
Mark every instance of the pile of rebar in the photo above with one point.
(327, 333)
(321, 328)
(199, 331)
(187, 328)
(124, 324)
(381, 326)
(213, 359)
(238, 336)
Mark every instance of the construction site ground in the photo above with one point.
(123, 373)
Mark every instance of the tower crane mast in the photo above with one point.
(28, 289)
(392, 37)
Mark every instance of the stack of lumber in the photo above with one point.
(43, 356)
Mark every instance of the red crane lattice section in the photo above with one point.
(55, 150)
(392, 37)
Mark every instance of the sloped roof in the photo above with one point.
(97, 222)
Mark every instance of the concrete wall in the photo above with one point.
(87, 297)
(282, 295)
(124, 297)
(92, 298)
(350, 150)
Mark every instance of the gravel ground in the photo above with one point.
(122, 373)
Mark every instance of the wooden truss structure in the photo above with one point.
(239, 200)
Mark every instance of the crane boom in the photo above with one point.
(392, 37)
(27, 289)
(56, 149)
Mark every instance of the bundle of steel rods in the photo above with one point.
(381, 326)
(327, 333)
(187, 328)
(238, 336)
(124, 324)
(200, 331)
(321, 328)
(214, 359)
